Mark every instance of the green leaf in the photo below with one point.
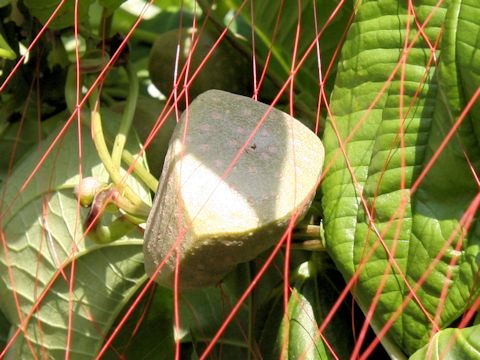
(174, 5)
(161, 16)
(10, 142)
(43, 10)
(41, 226)
(111, 4)
(373, 47)
(311, 300)
(4, 330)
(451, 344)
(19, 137)
(464, 35)
(6, 51)
(148, 332)
(201, 314)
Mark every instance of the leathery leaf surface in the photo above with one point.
(433, 98)
(221, 215)
(452, 344)
(43, 234)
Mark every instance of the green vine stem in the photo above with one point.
(102, 234)
(118, 227)
(127, 116)
(114, 92)
(308, 238)
(308, 245)
(251, 313)
(131, 159)
(139, 170)
(70, 89)
(105, 24)
(137, 207)
(70, 98)
(308, 232)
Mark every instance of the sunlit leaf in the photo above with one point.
(431, 218)
(202, 313)
(43, 233)
(451, 344)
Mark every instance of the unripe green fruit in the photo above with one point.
(226, 69)
(220, 220)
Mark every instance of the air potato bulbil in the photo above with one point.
(218, 215)
(226, 68)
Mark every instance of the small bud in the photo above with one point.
(86, 190)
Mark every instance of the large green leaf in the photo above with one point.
(4, 330)
(65, 17)
(202, 312)
(452, 344)
(111, 4)
(432, 214)
(19, 137)
(41, 227)
(312, 297)
(148, 332)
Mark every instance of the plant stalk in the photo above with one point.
(127, 116)
(139, 207)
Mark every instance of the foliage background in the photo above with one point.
(391, 88)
